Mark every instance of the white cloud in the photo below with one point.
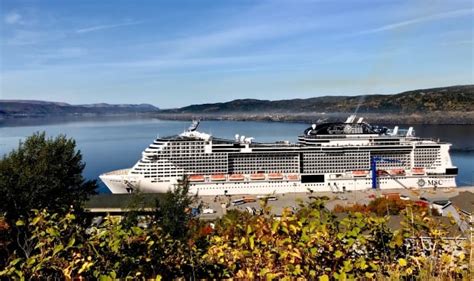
(234, 36)
(106, 26)
(13, 18)
(397, 25)
(193, 62)
(24, 37)
(62, 53)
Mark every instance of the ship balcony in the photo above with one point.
(121, 172)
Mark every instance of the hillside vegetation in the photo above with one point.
(455, 98)
(18, 108)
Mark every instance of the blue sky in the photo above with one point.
(176, 53)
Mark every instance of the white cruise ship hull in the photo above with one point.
(123, 184)
(335, 157)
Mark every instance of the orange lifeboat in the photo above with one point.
(236, 177)
(196, 178)
(293, 177)
(275, 176)
(418, 171)
(397, 172)
(248, 199)
(219, 177)
(360, 173)
(258, 176)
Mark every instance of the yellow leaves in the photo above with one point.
(57, 248)
(85, 267)
(275, 226)
(251, 242)
(293, 228)
(35, 220)
(324, 277)
(71, 242)
(402, 262)
(446, 259)
(369, 275)
(296, 253)
(249, 229)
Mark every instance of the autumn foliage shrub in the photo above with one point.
(310, 244)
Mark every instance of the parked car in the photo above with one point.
(269, 198)
(208, 211)
(237, 202)
(404, 197)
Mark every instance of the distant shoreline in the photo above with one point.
(444, 105)
(434, 118)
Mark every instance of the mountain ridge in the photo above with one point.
(36, 108)
(452, 104)
(453, 98)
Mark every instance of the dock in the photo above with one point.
(122, 203)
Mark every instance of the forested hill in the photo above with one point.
(448, 99)
(43, 108)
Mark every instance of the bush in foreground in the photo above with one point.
(311, 244)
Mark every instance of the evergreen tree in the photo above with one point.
(43, 173)
(173, 213)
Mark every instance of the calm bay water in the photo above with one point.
(109, 144)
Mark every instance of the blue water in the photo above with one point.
(109, 144)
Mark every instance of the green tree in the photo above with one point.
(43, 173)
(173, 213)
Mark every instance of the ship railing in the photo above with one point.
(371, 143)
(367, 137)
(118, 172)
(275, 145)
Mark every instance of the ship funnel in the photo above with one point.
(242, 138)
(350, 119)
(360, 120)
(395, 131)
(236, 137)
(193, 127)
(410, 132)
(313, 126)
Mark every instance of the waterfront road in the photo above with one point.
(221, 204)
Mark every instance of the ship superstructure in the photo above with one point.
(334, 156)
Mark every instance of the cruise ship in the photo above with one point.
(329, 156)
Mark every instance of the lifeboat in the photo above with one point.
(236, 177)
(259, 176)
(418, 171)
(382, 173)
(196, 178)
(397, 172)
(275, 176)
(220, 177)
(360, 173)
(293, 177)
(248, 199)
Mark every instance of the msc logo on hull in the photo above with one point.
(422, 182)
